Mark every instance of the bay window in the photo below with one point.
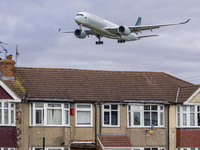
(7, 113)
(111, 115)
(49, 114)
(188, 116)
(83, 115)
(145, 115)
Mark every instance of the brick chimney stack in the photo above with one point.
(7, 68)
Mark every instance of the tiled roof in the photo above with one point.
(186, 92)
(92, 85)
(114, 141)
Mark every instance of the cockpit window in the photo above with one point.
(80, 15)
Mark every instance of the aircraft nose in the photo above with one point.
(78, 19)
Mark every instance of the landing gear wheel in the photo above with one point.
(99, 42)
(121, 41)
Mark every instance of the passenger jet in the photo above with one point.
(104, 28)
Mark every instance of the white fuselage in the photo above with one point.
(99, 25)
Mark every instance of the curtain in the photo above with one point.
(114, 118)
(54, 116)
(154, 116)
(136, 118)
(83, 117)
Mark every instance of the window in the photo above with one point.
(7, 148)
(49, 148)
(193, 148)
(49, 114)
(188, 116)
(145, 115)
(83, 115)
(149, 148)
(7, 113)
(110, 115)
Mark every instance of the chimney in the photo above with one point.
(7, 68)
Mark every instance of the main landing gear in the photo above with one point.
(99, 42)
(121, 41)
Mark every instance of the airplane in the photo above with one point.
(104, 28)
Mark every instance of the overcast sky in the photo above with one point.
(33, 25)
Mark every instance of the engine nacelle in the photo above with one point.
(80, 33)
(123, 30)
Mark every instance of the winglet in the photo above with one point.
(185, 22)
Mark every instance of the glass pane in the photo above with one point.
(39, 105)
(66, 106)
(146, 107)
(114, 107)
(106, 118)
(12, 105)
(192, 148)
(5, 149)
(146, 118)
(198, 117)
(184, 119)
(129, 107)
(161, 108)
(0, 104)
(184, 108)
(38, 117)
(114, 118)
(192, 119)
(54, 105)
(38, 148)
(192, 108)
(54, 117)
(154, 148)
(154, 118)
(178, 108)
(136, 118)
(161, 118)
(179, 119)
(66, 116)
(12, 116)
(106, 106)
(83, 117)
(146, 148)
(129, 118)
(154, 107)
(135, 107)
(83, 106)
(5, 116)
(198, 108)
(5, 105)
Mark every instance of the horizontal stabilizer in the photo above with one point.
(146, 36)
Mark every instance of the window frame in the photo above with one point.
(47, 148)
(180, 112)
(2, 148)
(110, 115)
(33, 109)
(10, 109)
(86, 110)
(130, 115)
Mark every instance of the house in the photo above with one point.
(88, 109)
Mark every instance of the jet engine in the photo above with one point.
(123, 30)
(80, 33)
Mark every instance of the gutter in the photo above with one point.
(48, 100)
(147, 101)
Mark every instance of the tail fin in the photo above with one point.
(139, 20)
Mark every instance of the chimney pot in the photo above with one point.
(9, 57)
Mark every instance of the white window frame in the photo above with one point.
(44, 113)
(10, 109)
(84, 109)
(7, 148)
(180, 112)
(110, 110)
(142, 148)
(141, 110)
(188, 148)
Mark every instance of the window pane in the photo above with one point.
(136, 107)
(136, 118)
(0, 104)
(114, 118)
(198, 108)
(38, 148)
(178, 108)
(106, 118)
(146, 148)
(146, 118)
(154, 107)
(184, 119)
(192, 108)
(154, 148)
(106, 106)
(5, 116)
(198, 116)
(12, 116)
(38, 117)
(83, 117)
(39, 105)
(66, 116)
(114, 107)
(179, 119)
(154, 118)
(146, 107)
(5, 105)
(54, 117)
(83, 106)
(129, 118)
(66, 106)
(54, 105)
(184, 108)
(161, 118)
(161, 107)
(12, 105)
(192, 119)
(0, 116)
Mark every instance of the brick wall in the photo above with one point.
(188, 138)
(8, 137)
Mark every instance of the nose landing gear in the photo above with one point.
(99, 37)
(121, 41)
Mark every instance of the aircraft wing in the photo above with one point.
(88, 32)
(140, 28)
(150, 27)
